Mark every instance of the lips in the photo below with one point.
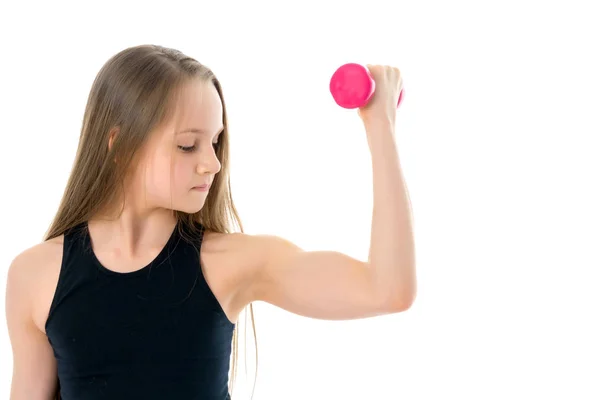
(203, 187)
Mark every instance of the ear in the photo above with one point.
(111, 137)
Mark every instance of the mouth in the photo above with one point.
(201, 188)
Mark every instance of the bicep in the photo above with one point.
(318, 284)
(34, 374)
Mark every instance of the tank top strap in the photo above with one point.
(76, 239)
(76, 266)
(193, 235)
(77, 251)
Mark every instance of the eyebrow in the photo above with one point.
(199, 131)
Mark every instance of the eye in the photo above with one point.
(187, 149)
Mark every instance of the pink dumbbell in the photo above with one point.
(352, 86)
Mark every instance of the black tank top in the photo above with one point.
(155, 333)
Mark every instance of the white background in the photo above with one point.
(498, 136)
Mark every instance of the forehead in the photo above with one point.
(197, 107)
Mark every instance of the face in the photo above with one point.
(180, 162)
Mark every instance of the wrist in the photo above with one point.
(380, 131)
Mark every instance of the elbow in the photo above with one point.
(396, 294)
(402, 305)
(399, 301)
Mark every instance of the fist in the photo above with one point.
(383, 104)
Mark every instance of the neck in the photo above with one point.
(133, 231)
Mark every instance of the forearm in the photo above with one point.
(392, 250)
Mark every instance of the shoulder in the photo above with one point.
(251, 251)
(233, 265)
(233, 257)
(35, 261)
(32, 277)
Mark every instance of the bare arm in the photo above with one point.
(320, 284)
(331, 285)
(34, 365)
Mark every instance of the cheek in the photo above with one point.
(182, 176)
(167, 176)
(157, 177)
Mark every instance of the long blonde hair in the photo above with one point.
(134, 92)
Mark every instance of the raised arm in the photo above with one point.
(331, 285)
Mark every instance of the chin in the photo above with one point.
(190, 208)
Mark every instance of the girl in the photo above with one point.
(136, 290)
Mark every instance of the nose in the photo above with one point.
(208, 163)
